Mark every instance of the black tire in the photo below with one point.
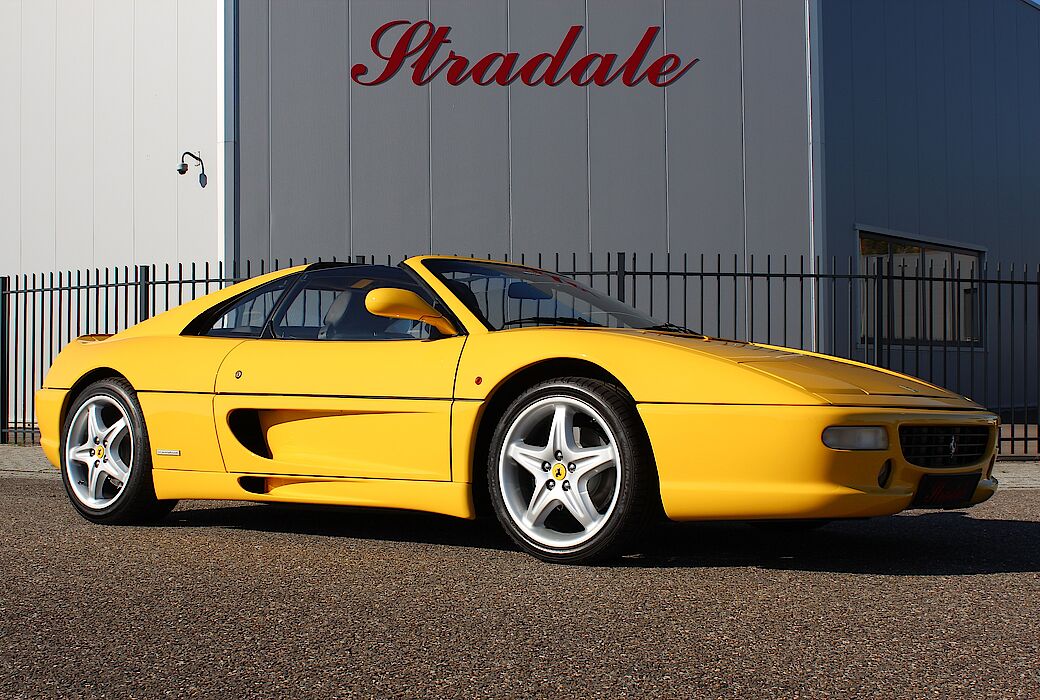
(136, 502)
(637, 495)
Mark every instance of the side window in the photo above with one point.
(330, 305)
(245, 319)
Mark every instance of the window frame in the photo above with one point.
(202, 324)
(291, 293)
(887, 272)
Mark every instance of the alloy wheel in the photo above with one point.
(99, 452)
(560, 472)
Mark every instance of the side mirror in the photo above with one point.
(389, 302)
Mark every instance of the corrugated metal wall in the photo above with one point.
(717, 163)
(932, 122)
(98, 98)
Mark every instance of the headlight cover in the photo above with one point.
(856, 437)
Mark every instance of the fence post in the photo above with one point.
(621, 277)
(878, 310)
(143, 283)
(5, 378)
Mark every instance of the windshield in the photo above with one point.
(509, 296)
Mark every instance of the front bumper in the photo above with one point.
(49, 403)
(769, 462)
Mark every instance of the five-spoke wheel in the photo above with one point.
(569, 470)
(99, 452)
(105, 458)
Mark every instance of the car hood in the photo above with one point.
(834, 380)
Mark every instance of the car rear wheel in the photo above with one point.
(570, 472)
(105, 457)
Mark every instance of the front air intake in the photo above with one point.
(944, 446)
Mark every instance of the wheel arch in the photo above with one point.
(503, 394)
(82, 383)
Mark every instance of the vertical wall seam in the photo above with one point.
(946, 127)
(884, 110)
(852, 111)
(588, 140)
(667, 151)
(93, 134)
(133, 126)
(429, 144)
(270, 147)
(811, 143)
(971, 115)
(177, 118)
(21, 133)
(350, 160)
(743, 133)
(917, 119)
(509, 142)
(54, 111)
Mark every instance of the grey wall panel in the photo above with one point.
(548, 139)
(254, 214)
(626, 137)
(900, 120)
(957, 109)
(309, 129)
(776, 133)
(982, 139)
(113, 131)
(11, 147)
(839, 135)
(495, 170)
(1029, 129)
(470, 137)
(74, 137)
(37, 134)
(390, 145)
(1006, 224)
(943, 122)
(705, 129)
(931, 124)
(870, 155)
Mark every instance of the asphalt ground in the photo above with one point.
(246, 600)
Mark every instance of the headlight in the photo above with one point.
(849, 437)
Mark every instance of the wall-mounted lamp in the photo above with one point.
(182, 169)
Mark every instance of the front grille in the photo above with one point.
(938, 446)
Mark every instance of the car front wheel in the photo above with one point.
(570, 471)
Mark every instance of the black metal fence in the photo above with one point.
(973, 330)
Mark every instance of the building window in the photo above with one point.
(918, 293)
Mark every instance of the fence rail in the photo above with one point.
(973, 330)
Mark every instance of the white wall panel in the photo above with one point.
(11, 146)
(155, 145)
(112, 108)
(106, 95)
(197, 128)
(74, 137)
(37, 135)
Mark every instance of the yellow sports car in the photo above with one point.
(450, 385)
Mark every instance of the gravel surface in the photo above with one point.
(244, 600)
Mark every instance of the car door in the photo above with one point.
(331, 390)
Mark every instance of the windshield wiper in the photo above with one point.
(674, 328)
(554, 321)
